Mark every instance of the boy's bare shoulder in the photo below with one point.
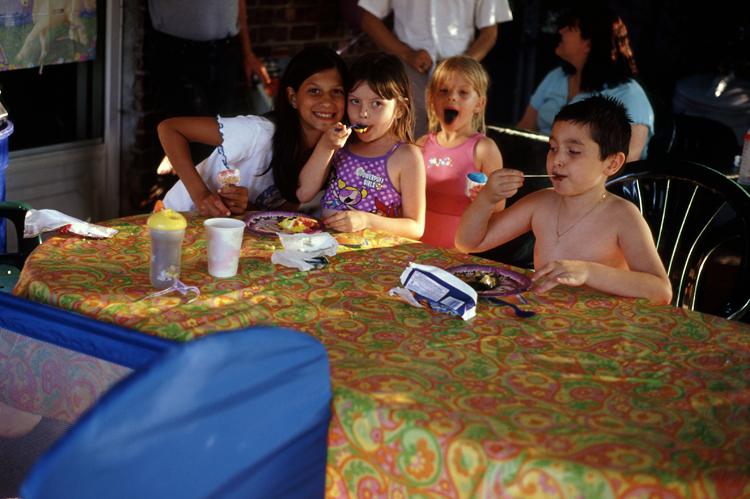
(540, 202)
(623, 207)
(543, 196)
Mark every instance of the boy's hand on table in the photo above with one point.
(235, 197)
(567, 272)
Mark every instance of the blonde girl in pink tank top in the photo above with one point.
(455, 146)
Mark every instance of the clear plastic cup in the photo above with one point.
(166, 230)
(223, 245)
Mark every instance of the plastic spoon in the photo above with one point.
(519, 313)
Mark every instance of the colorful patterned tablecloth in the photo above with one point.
(595, 396)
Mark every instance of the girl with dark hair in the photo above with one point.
(269, 153)
(377, 180)
(597, 59)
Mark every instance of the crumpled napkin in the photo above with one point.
(39, 221)
(305, 251)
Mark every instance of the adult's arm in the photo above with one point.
(387, 42)
(528, 122)
(484, 43)
(250, 62)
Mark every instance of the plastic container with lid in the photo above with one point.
(166, 230)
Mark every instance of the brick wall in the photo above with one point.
(277, 29)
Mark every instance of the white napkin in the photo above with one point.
(303, 251)
(39, 221)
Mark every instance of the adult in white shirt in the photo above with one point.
(427, 31)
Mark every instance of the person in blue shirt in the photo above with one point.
(597, 59)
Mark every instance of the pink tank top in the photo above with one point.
(446, 169)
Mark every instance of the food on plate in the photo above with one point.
(229, 177)
(478, 280)
(299, 224)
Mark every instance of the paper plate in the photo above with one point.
(266, 223)
(509, 282)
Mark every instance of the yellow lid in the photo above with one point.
(166, 220)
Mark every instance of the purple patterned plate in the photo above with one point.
(266, 223)
(509, 282)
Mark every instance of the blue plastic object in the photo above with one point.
(79, 333)
(6, 128)
(233, 415)
(478, 177)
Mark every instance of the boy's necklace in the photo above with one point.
(557, 229)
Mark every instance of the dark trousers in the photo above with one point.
(193, 78)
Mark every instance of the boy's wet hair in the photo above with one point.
(607, 120)
(470, 70)
(386, 75)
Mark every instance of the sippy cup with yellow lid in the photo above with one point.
(166, 229)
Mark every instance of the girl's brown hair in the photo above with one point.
(473, 72)
(386, 75)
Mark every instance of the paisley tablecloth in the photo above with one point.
(595, 396)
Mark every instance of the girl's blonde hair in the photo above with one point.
(386, 75)
(473, 72)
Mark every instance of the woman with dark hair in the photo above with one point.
(596, 60)
(268, 151)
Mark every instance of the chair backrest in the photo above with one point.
(663, 139)
(524, 151)
(16, 213)
(233, 415)
(700, 221)
(704, 141)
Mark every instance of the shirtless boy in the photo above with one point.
(584, 235)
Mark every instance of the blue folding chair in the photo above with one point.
(232, 415)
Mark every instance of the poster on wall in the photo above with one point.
(37, 33)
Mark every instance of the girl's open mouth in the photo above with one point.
(450, 115)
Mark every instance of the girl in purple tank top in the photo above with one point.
(455, 146)
(376, 180)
